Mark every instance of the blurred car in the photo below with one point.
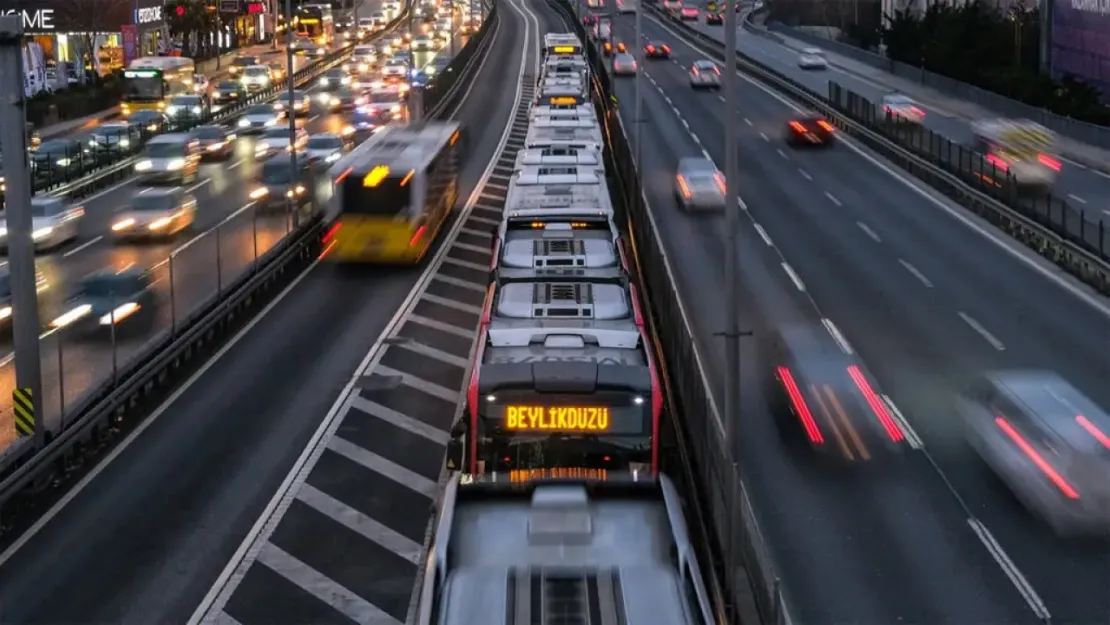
(364, 59)
(155, 214)
(324, 149)
(624, 65)
(902, 109)
(277, 71)
(689, 14)
(385, 102)
(812, 58)
(309, 48)
(344, 99)
(215, 142)
(714, 19)
(241, 63)
(54, 222)
(186, 108)
(699, 185)
(810, 130)
(281, 181)
(256, 78)
(259, 117)
(115, 137)
(383, 49)
(280, 139)
(1048, 442)
(300, 103)
(200, 84)
(111, 302)
(172, 158)
(58, 158)
(423, 43)
(364, 121)
(657, 50)
(395, 67)
(334, 79)
(704, 74)
(228, 92)
(608, 46)
(150, 121)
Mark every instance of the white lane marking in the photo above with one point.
(746, 120)
(1010, 569)
(868, 231)
(360, 523)
(1077, 198)
(832, 198)
(912, 438)
(805, 174)
(186, 245)
(1101, 173)
(84, 246)
(838, 336)
(383, 466)
(782, 154)
(916, 272)
(978, 327)
(764, 135)
(198, 185)
(793, 276)
(706, 154)
(763, 235)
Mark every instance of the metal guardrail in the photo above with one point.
(1076, 240)
(119, 405)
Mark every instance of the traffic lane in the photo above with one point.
(146, 539)
(888, 538)
(1073, 182)
(875, 271)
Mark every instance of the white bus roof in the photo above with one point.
(162, 62)
(564, 247)
(557, 174)
(563, 113)
(550, 136)
(555, 195)
(559, 156)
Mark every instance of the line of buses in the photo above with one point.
(557, 513)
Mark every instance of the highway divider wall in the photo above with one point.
(1075, 239)
(31, 482)
(742, 580)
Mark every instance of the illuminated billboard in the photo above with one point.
(1081, 42)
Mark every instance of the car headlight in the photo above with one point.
(63, 162)
(92, 143)
(324, 98)
(396, 108)
(324, 82)
(335, 102)
(143, 165)
(3, 232)
(320, 52)
(271, 122)
(171, 110)
(196, 110)
(123, 143)
(335, 155)
(152, 127)
(125, 224)
(175, 164)
(212, 147)
(259, 193)
(362, 67)
(244, 122)
(41, 233)
(71, 316)
(347, 131)
(120, 313)
(5, 312)
(158, 224)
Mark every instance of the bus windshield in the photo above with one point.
(143, 85)
(386, 197)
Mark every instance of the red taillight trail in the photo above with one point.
(800, 406)
(1093, 430)
(1042, 464)
(877, 406)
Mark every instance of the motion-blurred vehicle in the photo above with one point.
(241, 63)
(150, 121)
(704, 74)
(365, 121)
(306, 47)
(386, 102)
(200, 84)
(256, 78)
(364, 59)
(441, 36)
(607, 47)
(624, 65)
(58, 158)
(324, 149)
(1048, 442)
(111, 302)
(810, 130)
(689, 14)
(824, 399)
(1021, 149)
(383, 49)
(714, 19)
(277, 71)
(299, 105)
(280, 139)
(672, 6)
(281, 182)
(227, 92)
(115, 137)
(54, 222)
(699, 185)
(215, 142)
(813, 58)
(344, 99)
(259, 117)
(170, 158)
(902, 109)
(186, 108)
(657, 50)
(395, 68)
(397, 41)
(155, 214)
(334, 79)
(423, 43)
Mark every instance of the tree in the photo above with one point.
(92, 18)
(192, 21)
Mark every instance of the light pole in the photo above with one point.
(416, 94)
(638, 110)
(290, 108)
(732, 225)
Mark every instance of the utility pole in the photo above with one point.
(290, 109)
(274, 25)
(732, 226)
(416, 93)
(21, 251)
(639, 109)
(612, 6)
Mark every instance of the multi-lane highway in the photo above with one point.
(228, 234)
(1085, 188)
(930, 536)
(146, 538)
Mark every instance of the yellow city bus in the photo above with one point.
(388, 198)
(149, 82)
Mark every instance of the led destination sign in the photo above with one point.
(558, 473)
(566, 50)
(557, 418)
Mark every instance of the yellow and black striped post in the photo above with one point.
(24, 405)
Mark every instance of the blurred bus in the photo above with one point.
(1023, 149)
(150, 82)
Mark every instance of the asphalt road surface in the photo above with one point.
(927, 302)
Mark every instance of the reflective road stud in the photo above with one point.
(24, 405)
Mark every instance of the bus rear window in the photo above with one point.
(388, 197)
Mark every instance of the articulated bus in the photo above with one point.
(315, 22)
(556, 45)
(390, 196)
(149, 82)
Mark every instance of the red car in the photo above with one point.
(656, 50)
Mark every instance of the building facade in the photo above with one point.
(1081, 42)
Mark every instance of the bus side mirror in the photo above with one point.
(453, 461)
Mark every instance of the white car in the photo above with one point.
(699, 185)
(624, 64)
(256, 78)
(705, 74)
(53, 223)
(155, 213)
(395, 67)
(386, 100)
(813, 58)
(423, 43)
(902, 109)
(276, 139)
(324, 148)
(259, 117)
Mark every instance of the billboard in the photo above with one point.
(1081, 42)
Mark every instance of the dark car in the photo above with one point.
(151, 121)
(281, 182)
(335, 78)
(825, 400)
(810, 130)
(228, 92)
(714, 19)
(111, 303)
(345, 99)
(364, 121)
(58, 158)
(215, 142)
(657, 50)
(115, 138)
